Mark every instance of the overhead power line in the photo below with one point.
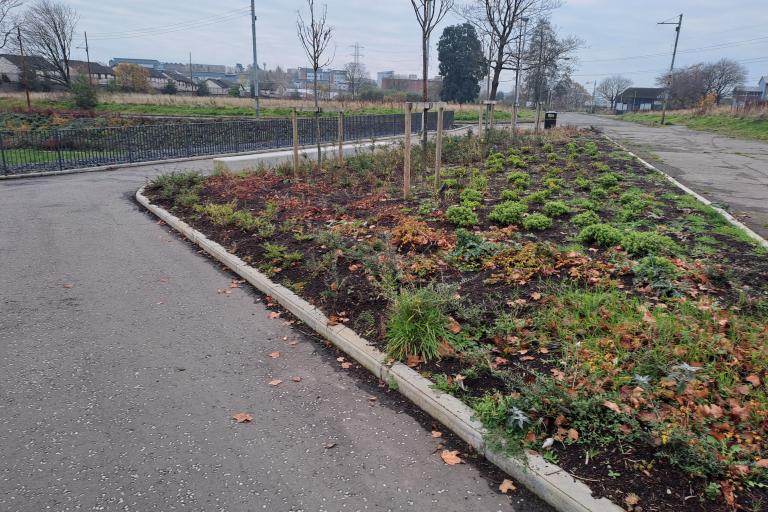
(176, 27)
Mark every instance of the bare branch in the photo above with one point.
(48, 28)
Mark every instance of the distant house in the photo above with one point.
(638, 99)
(412, 84)
(221, 87)
(11, 66)
(100, 75)
(157, 79)
(273, 88)
(183, 83)
(744, 95)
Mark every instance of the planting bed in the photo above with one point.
(582, 305)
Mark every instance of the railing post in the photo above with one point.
(295, 125)
(2, 152)
(480, 121)
(341, 137)
(188, 133)
(439, 147)
(58, 149)
(407, 152)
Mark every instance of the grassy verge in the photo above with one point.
(577, 301)
(748, 127)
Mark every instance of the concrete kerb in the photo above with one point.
(115, 167)
(549, 482)
(730, 218)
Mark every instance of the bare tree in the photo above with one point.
(48, 28)
(429, 14)
(355, 74)
(7, 23)
(611, 87)
(722, 76)
(548, 59)
(500, 23)
(315, 38)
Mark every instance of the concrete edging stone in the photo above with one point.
(549, 482)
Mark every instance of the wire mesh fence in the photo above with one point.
(62, 149)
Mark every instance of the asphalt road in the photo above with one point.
(122, 362)
(731, 172)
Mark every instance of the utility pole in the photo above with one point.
(88, 59)
(356, 72)
(594, 90)
(255, 68)
(190, 68)
(679, 24)
(24, 68)
(520, 49)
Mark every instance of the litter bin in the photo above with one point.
(550, 120)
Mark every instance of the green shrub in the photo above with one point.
(84, 94)
(245, 220)
(536, 197)
(175, 184)
(609, 180)
(471, 249)
(471, 198)
(647, 243)
(494, 163)
(600, 166)
(604, 235)
(586, 219)
(515, 161)
(508, 212)
(461, 216)
(658, 273)
(219, 214)
(279, 256)
(548, 148)
(510, 195)
(583, 183)
(598, 193)
(537, 222)
(519, 179)
(553, 184)
(556, 209)
(451, 183)
(478, 181)
(417, 322)
(587, 204)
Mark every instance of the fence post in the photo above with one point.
(58, 150)
(188, 133)
(407, 152)
(2, 152)
(480, 121)
(341, 137)
(491, 115)
(439, 147)
(295, 125)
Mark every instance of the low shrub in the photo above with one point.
(647, 243)
(471, 198)
(219, 214)
(657, 272)
(556, 209)
(510, 195)
(583, 183)
(494, 163)
(536, 197)
(520, 180)
(471, 249)
(586, 219)
(537, 222)
(417, 323)
(604, 235)
(608, 180)
(508, 212)
(461, 216)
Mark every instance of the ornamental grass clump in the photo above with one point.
(417, 323)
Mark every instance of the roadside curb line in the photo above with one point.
(115, 167)
(549, 482)
(730, 218)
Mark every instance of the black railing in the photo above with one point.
(61, 149)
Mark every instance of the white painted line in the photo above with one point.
(550, 483)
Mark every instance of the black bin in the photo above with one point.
(550, 120)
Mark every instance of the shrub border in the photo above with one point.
(549, 482)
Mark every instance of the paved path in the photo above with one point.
(116, 393)
(732, 172)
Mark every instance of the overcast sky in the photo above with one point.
(619, 36)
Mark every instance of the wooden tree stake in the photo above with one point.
(407, 152)
(295, 124)
(341, 137)
(439, 147)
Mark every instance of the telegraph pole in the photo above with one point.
(88, 59)
(357, 73)
(255, 67)
(679, 24)
(24, 68)
(594, 90)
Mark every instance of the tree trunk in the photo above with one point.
(424, 93)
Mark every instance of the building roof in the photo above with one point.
(179, 77)
(747, 88)
(642, 92)
(32, 61)
(222, 83)
(82, 67)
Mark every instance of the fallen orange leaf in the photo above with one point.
(451, 457)
(274, 355)
(507, 486)
(612, 406)
(296, 379)
(242, 417)
(435, 433)
(273, 315)
(754, 380)
(275, 382)
(346, 366)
